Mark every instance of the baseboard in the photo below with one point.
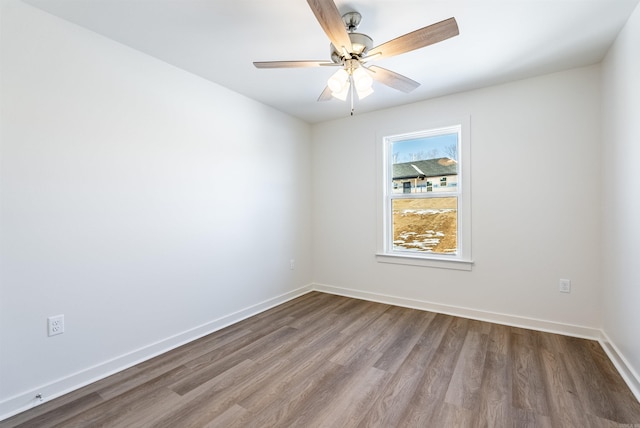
(498, 318)
(620, 362)
(27, 400)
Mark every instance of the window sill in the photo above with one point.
(425, 262)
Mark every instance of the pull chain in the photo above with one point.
(351, 90)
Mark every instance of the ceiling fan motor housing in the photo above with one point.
(360, 43)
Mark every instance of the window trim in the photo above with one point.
(384, 253)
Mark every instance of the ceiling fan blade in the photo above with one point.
(330, 20)
(325, 95)
(393, 79)
(290, 64)
(416, 39)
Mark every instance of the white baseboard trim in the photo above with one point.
(27, 400)
(498, 318)
(622, 365)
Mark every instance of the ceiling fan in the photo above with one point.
(352, 51)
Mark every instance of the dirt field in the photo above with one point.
(427, 225)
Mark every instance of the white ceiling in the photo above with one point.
(499, 41)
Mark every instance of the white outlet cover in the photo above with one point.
(55, 325)
(565, 286)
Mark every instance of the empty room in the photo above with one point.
(289, 213)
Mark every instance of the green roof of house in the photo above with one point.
(425, 168)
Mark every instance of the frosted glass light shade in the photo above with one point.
(338, 81)
(363, 93)
(362, 82)
(342, 95)
(361, 79)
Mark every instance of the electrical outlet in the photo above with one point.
(55, 325)
(292, 264)
(565, 286)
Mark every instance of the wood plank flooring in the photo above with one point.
(329, 361)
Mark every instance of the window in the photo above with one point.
(425, 217)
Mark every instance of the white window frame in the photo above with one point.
(385, 252)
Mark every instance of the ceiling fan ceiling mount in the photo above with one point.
(351, 21)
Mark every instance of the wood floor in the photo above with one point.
(330, 361)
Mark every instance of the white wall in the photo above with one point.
(535, 204)
(620, 202)
(138, 200)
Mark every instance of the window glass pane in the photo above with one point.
(419, 163)
(425, 225)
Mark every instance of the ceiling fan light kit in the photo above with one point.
(352, 51)
(351, 75)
